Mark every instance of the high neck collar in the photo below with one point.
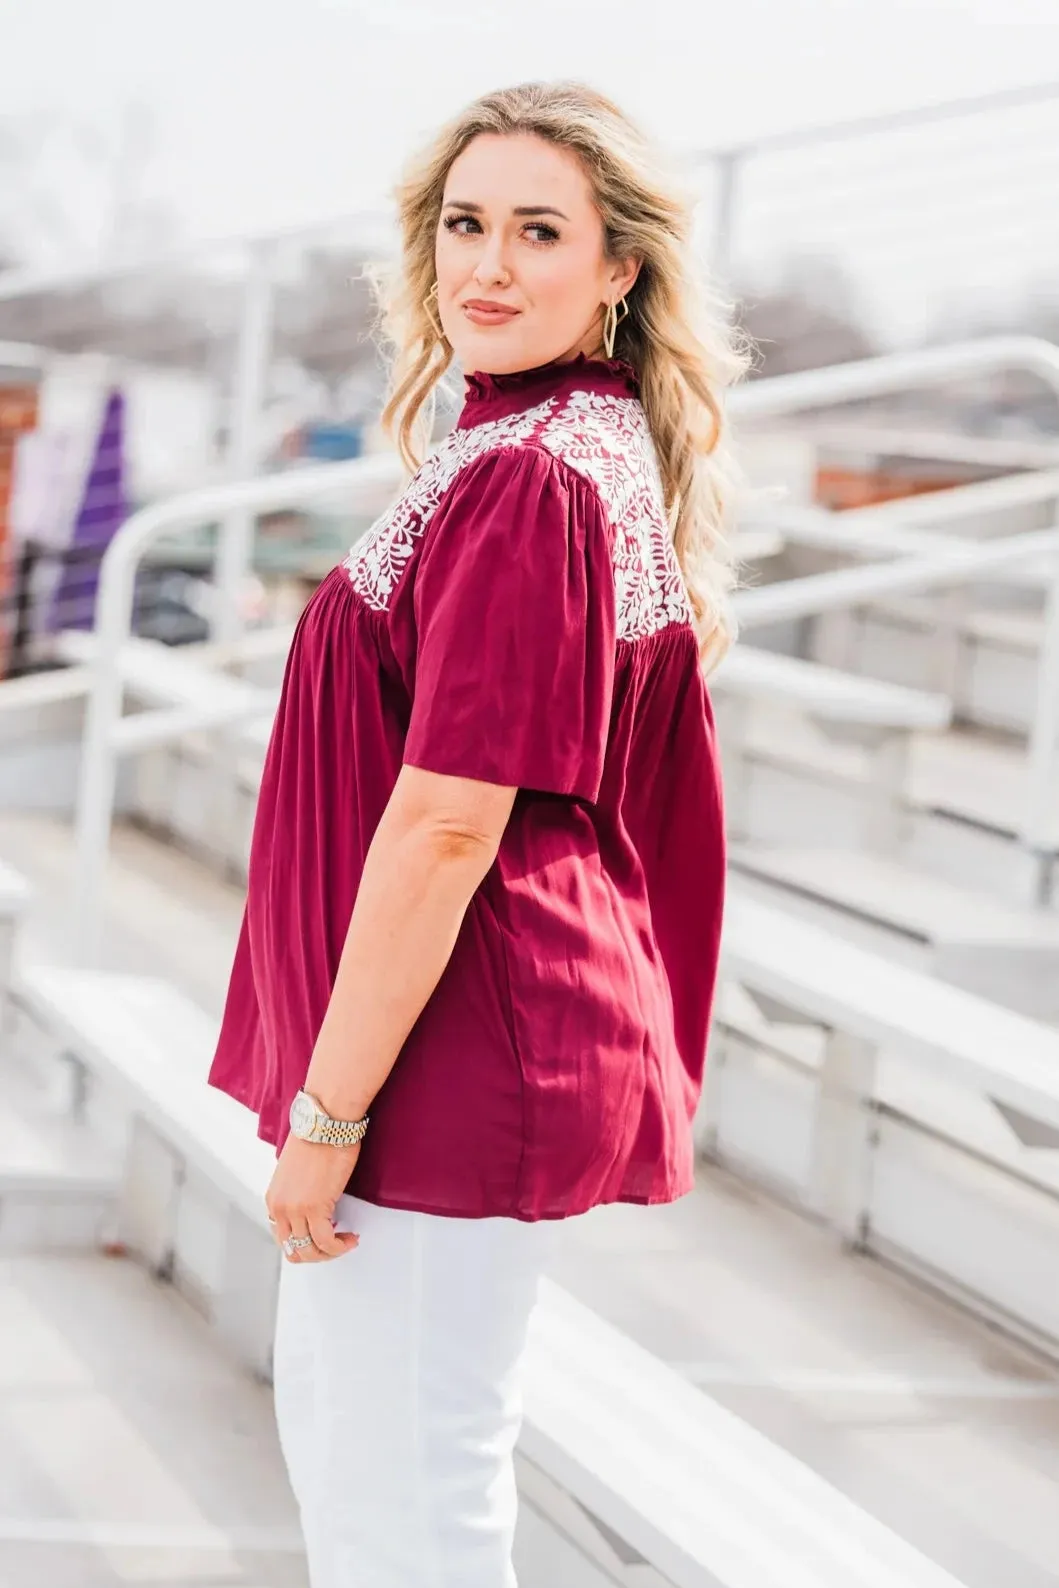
(497, 396)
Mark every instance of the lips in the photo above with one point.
(483, 312)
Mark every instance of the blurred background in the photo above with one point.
(857, 1312)
(871, 177)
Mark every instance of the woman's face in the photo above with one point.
(522, 273)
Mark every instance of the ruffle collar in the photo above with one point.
(492, 396)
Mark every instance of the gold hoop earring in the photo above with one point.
(428, 302)
(611, 320)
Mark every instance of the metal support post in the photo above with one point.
(99, 770)
(1041, 824)
(886, 823)
(729, 166)
(244, 1307)
(149, 1194)
(733, 714)
(235, 548)
(844, 1136)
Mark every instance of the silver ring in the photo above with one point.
(295, 1243)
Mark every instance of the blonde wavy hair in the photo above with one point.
(678, 333)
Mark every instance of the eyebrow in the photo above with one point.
(520, 209)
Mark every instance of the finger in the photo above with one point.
(299, 1231)
(327, 1239)
(279, 1228)
(315, 1254)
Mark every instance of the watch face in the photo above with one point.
(303, 1115)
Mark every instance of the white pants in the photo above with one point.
(398, 1396)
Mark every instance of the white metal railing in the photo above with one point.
(253, 350)
(918, 559)
(102, 733)
(845, 587)
(893, 528)
(908, 439)
(784, 395)
(24, 355)
(777, 195)
(895, 372)
(898, 372)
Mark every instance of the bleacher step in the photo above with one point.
(1005, 953)
(1018, 628)
(986, 656)
(622, 1433)
(976, 778)
(150, 1047)
(911, 902)
(58, 1182)
(962, 775)
(827, 693)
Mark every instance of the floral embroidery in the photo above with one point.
(608, 440)
(604, 438)
(380, 557)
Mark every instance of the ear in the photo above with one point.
(622, 276)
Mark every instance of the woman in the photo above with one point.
(487, 870)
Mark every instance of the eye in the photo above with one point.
(548, 234)
(457, 223)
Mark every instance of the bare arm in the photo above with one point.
(437, 839)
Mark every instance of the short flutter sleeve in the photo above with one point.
(514, 609)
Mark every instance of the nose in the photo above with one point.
(491, 268)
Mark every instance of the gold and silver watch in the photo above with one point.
(310, 1121)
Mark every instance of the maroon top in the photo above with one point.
(519, 617)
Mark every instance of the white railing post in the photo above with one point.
(243, 1307)
(235, 550)
(728, 165)
(1041, 818)
(844, 1136)
(885, 791)
(235, 547)
(150, 1192)
(733, 714)
(98, 769)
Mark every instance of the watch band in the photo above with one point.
(341, 1132)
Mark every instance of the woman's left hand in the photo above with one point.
(309, 1179)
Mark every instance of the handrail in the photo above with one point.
(117, 575)
(26, 355)
(844, 587)
(870, 533)
(873, 435)
(30, 280)
(932, 565)
(788, 394)
(880, 525)
(895, 372)
(867, 126)
(878, 542)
